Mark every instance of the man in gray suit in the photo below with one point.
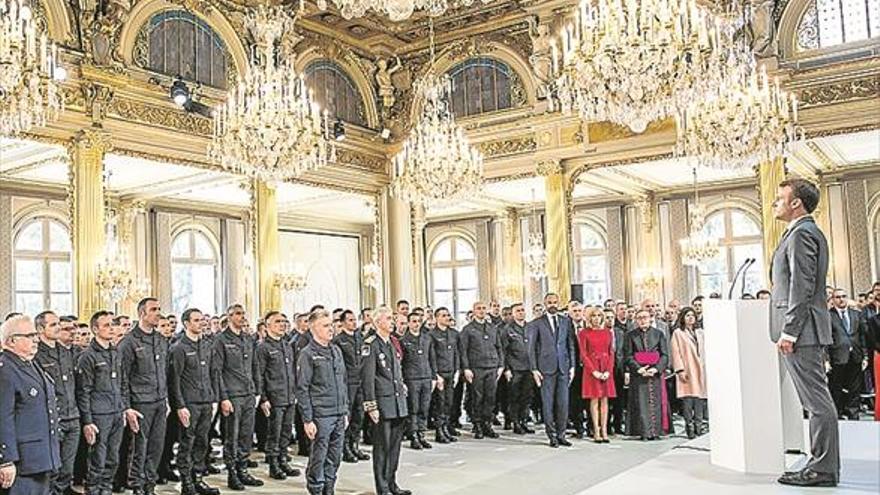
(800, 325)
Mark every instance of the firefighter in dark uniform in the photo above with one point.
(59, 362)
(322, 396)
(299, 338)
(232, 370)
(444, 350)
(515, 343)
(192, 396)
(384, 402)
(144, 360)
(276, 385)
(482, 362)
(99, 398)
(29, 450)
(419, 374)
(350, 340)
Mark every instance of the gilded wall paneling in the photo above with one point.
(678, 227)
(484, 256)
(857, 222)
(7, 302)
(162, 290)
(840, 92)
(616, 252)
(667, 257)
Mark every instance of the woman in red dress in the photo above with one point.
(597, 354)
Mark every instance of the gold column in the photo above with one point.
(770, 174)
(556, 219)
(86, 201)
(265, 212)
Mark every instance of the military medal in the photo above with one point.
(113, 374)
(33, 392)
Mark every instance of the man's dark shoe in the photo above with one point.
(415, 444)
(554, 443)
(808, 477)
(526, 428)
(564, 442)
(232, 480)
(251, 464)
(247, 479)
(203, 488)
(396, 490)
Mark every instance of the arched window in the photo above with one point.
(740, 238)
(335, 91)
(194, 272)
(454, 280)
(481, 85)
(43, 274)
(590, 262)
(177, 42)
(827, 23)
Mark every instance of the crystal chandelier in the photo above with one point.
(740, 125)
(698, 247)
(291, 279)
(29, 75)
(372, 271)
(635, 61)
(535, 257)
(114, 279)
(396, 10)
(437, 162)
(270, 128)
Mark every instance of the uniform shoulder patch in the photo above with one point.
(370, 339)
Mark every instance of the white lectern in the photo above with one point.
(747, 429)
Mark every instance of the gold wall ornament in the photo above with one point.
(840, 92)
(265, 221)
(549, 168)
(154, 115)
(770, 174)
(396, 10)
(357, 159)
(646, 207)
(558, 228)
(510, 146)
(96, 100)
(599, 132)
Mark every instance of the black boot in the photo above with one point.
(246, 478)
(518, 429)
(526, 428)
(451, 431)
(187, 487)
(689, 428)
(478, 431)
(275, 471)
(414, 443)
(347, 454)
(232, 480)
(202, 488)
(447, 432)
(360, 454)
(439, 436)
(489, 432)
(420, 436)
(285, 466)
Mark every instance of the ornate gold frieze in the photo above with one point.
(549, 167)
(512, 146)
(840, 92)
(606, 131)
(161, 116)
(360, 160)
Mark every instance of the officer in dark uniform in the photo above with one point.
(419, 374)
(323, 401)
(144, 360)
(276, 385)
(350, 341)
(444, 350)
(232, 370)
(384, 402)
(99, 398)
(29, 449)
(58, 361)
(192, 396)
(517, 370)
(482, 361)
(299, 338)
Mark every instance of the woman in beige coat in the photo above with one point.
(686, 348)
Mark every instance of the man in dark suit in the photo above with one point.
(29, 448)
(800, 325)
(552, 357)
(846, 354)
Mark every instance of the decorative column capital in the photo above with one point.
(93, 139)
(552, 166)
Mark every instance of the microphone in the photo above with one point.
(736, 277)
(749, 264)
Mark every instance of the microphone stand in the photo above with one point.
(736, 278)
(749, 263)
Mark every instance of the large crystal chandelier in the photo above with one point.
(270, 127)
(739, 125)
(396, 10)
(437, 162)
(698, 247)
(634, 61)
(115, 281)
(372, 271)
(29, 75)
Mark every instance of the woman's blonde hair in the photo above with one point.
(589, 311)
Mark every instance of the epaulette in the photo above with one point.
(370, 339)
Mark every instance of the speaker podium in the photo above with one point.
(752, 418)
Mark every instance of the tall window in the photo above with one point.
(194, 272)
(740, 239)
(178, 42)
(454, 281)
(834, 22)
(481, 85)
(43, 277)
(590, 262)
(335, 91)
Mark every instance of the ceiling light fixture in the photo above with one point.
(396, 10)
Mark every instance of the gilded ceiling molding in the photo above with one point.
(548, 167)
(168, 117)
(506, 147)
(363, 161)
(510, 178)
(220, 21)
(599, 132)
(59, 20)
(840, 92)
(789, 14)
(359, 69)
(842, 130)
